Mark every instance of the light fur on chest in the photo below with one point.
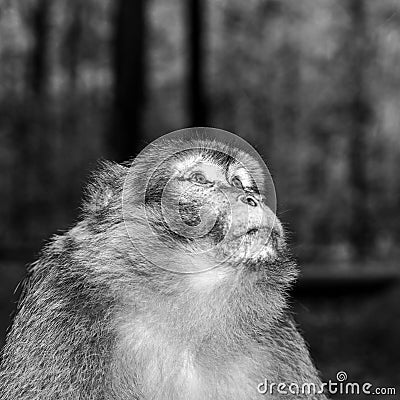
(163, 368)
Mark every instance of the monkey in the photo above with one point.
(173, 284)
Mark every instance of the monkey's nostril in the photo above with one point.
(252, 231)
(251, 202)
(248, 199)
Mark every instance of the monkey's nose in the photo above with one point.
(249, 199)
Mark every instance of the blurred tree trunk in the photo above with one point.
(38, 63)
(360, 113)
(72, 42)
(129, 78)
(32, 143)
(285, 110)
(195, 68)
(288, 68)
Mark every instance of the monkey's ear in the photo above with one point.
(104, 190)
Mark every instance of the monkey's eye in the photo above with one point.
(237, 183)
(198, 177)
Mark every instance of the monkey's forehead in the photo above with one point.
(225, 151)
(211, 151)
(189, 159)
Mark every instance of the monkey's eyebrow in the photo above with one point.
(242, 173)
(186, 163)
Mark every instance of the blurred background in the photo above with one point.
(314, 85)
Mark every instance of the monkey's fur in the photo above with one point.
(97, 320)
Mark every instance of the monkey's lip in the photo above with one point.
(260, 234)
(253, 232)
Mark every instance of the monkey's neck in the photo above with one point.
(229, 314)
(171, 340)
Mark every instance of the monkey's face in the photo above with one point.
(199, 213)
(212, 206)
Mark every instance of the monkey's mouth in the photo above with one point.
(252, 234)
(256, 231)
(265, 236)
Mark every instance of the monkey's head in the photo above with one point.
(204, 207)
